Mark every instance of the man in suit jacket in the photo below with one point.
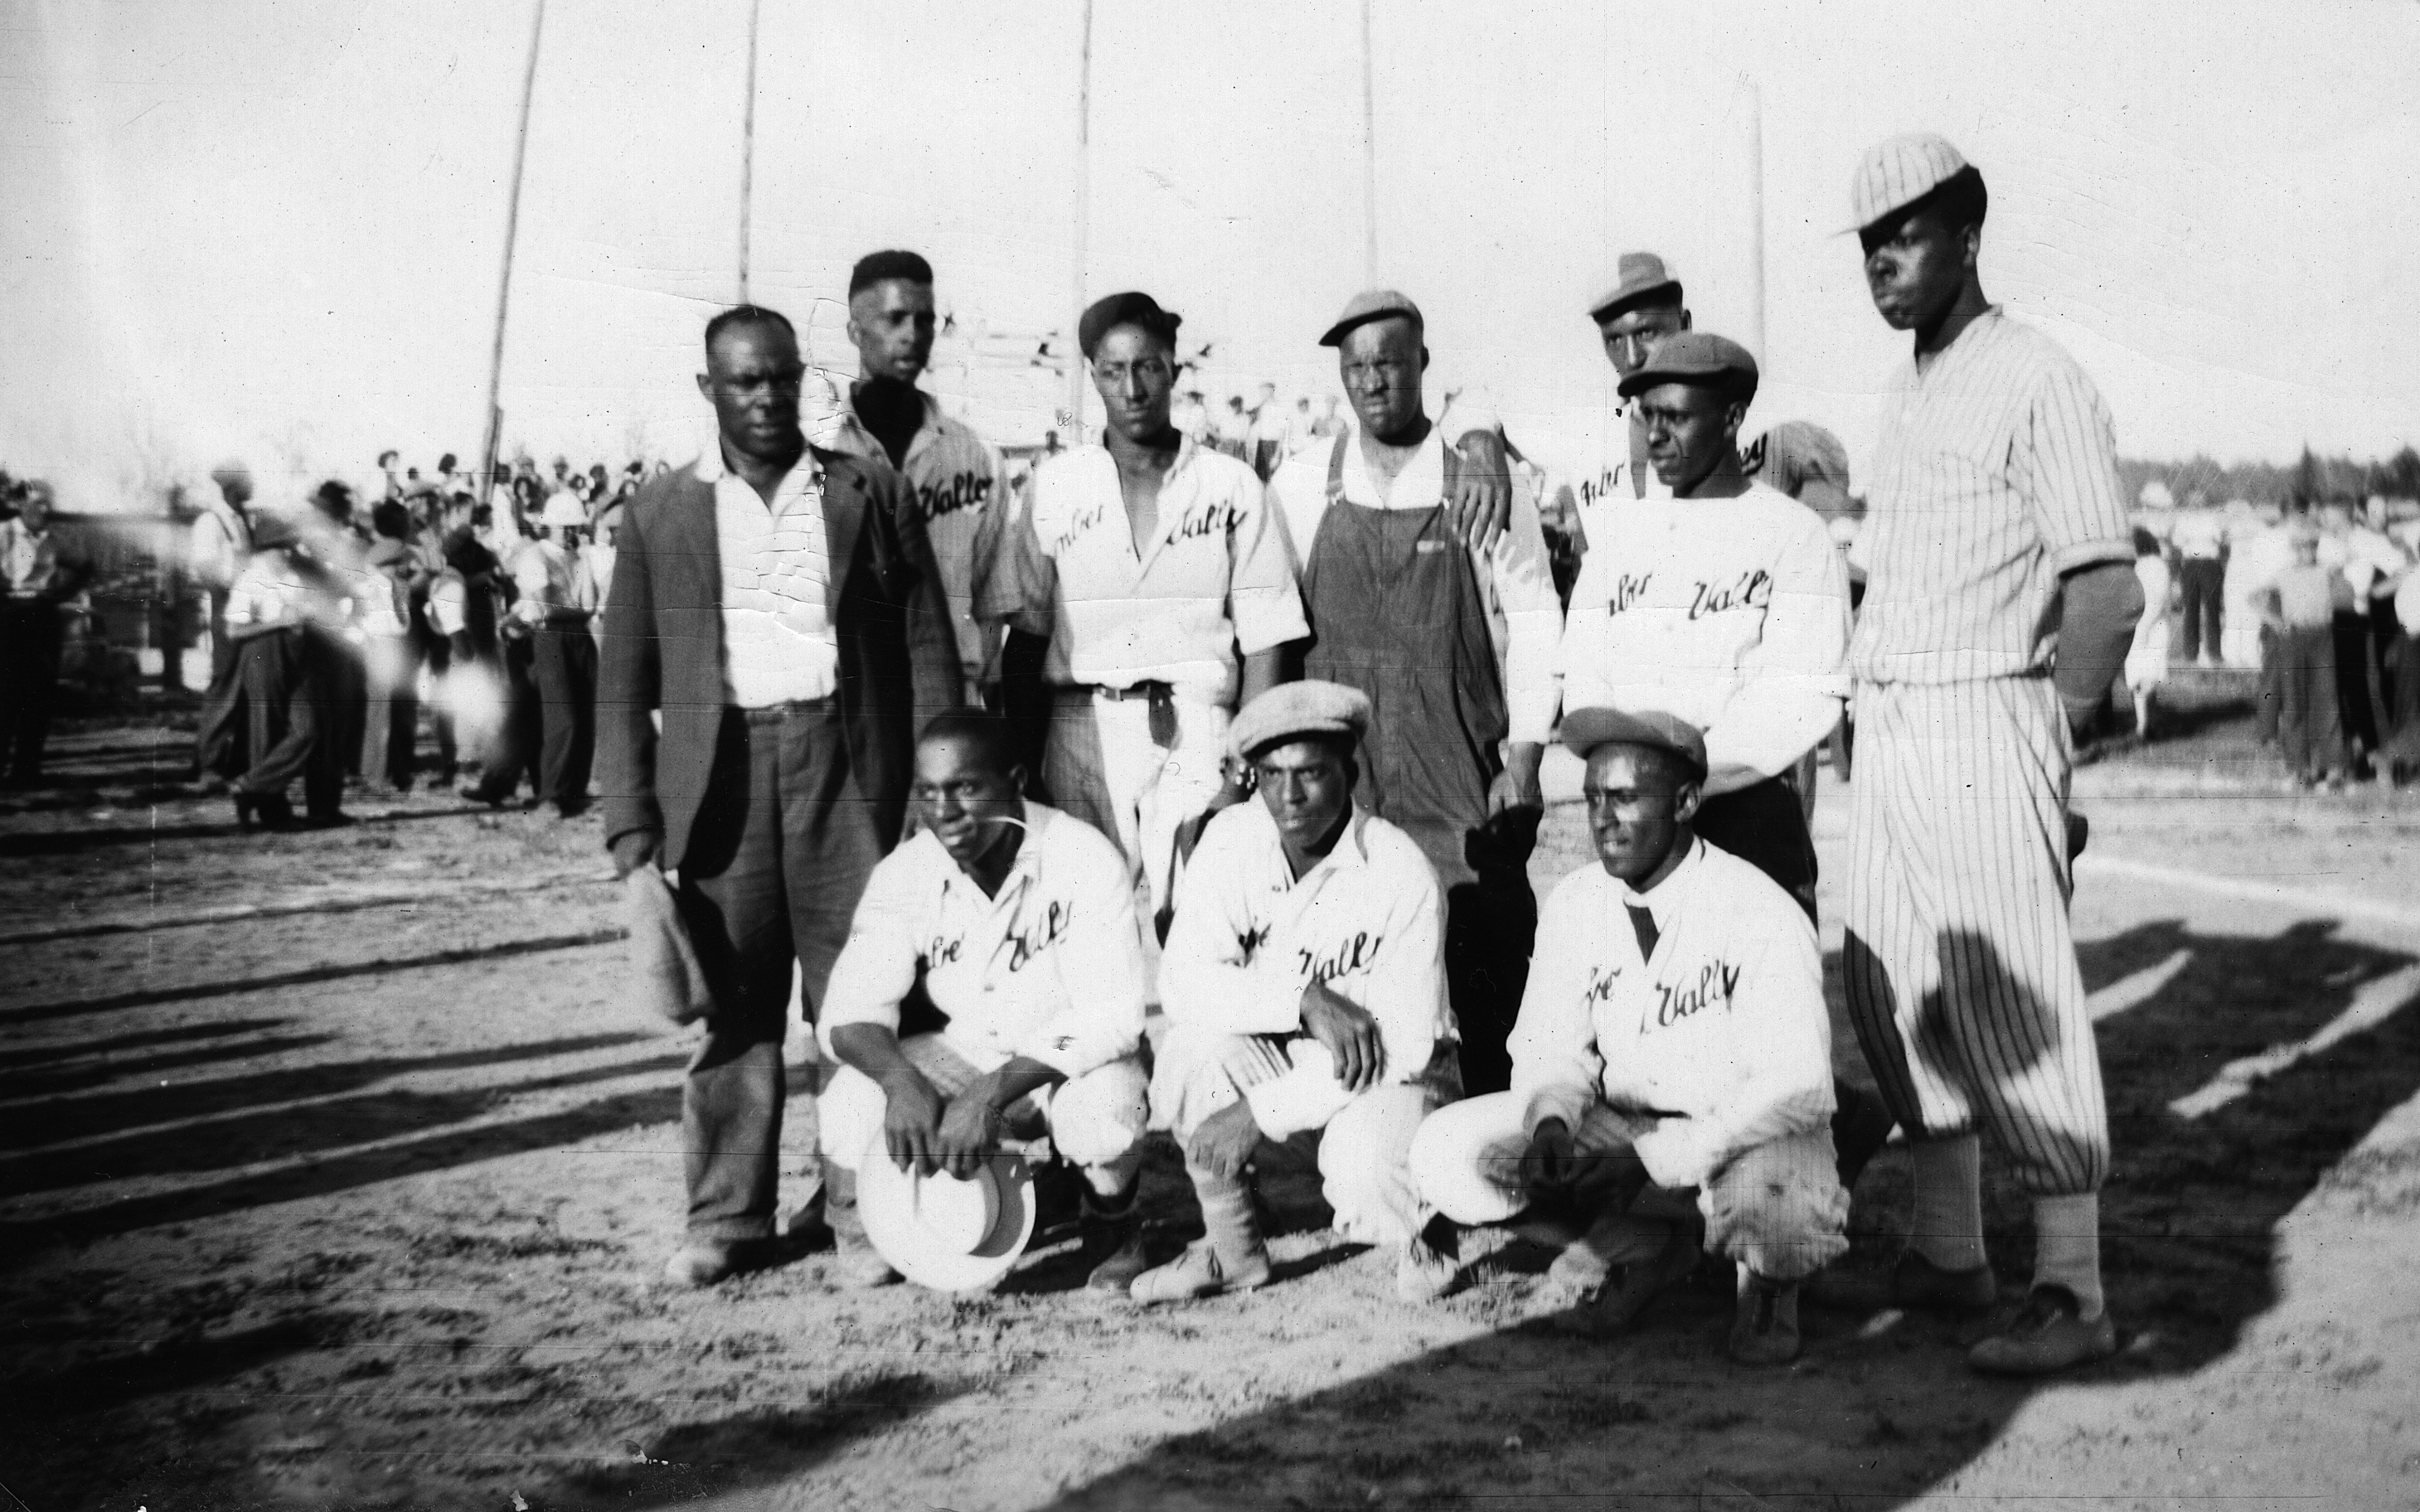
(775, 634)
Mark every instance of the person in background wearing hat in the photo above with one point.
(1019, 922)
(1674, 1044)
(284, 615)
(1304, 982)
(1452, 642)
(1645, 306)
(596, 564)
(563, 655)
(955, 477)
(776, 608)
(2000, 600)
(393, 574)
(40, 571)
(2300, 606)
(1148, 563)
(1722, 602)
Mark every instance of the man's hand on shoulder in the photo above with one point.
(1482, 505)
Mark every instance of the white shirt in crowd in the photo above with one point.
(1050, 968)
(2199, 534)
(1718, 1044)
(1516, 576)
(1733, 613)
(955, 478)
(547, 578)
(1212, 580)
(272, 589)
(29, 559)
(778, 643)
(1248, 936)
(220, 541)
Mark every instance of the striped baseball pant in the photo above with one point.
(1962, 975)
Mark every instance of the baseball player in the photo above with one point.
(2000, 601)
(1674, 1042)
(1304, 982)
(955, 477)
(1643, 308)
(1019, 923)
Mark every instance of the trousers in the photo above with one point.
(1103, 761)
(390, 730)
(565, 664)
(2310, 736)
(2202, 580)
(288, 691)
(1094, 1121)
(31, 635)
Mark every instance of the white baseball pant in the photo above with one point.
(1101, 764)
(1094, 1121)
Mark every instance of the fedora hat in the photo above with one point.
(941, 1231)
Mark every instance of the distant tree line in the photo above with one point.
(2311, 479)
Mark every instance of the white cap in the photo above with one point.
(563, 507)
(1899, 172)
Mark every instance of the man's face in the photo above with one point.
(1632, 337)
(1690, 430)
(967, 804)
(1306, 786)
(1636, 802)
(1916, 264)
(752, 378)
(36, 509)
(1380, 363)
(892, 323)
(1134, 374)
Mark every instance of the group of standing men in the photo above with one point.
(1305, 719)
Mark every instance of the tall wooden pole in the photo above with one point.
(1756, 223)
(1369, 156)
(748, 151)
(1083, 215)
(512, 234)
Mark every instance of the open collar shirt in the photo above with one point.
(778, 642)
(1050, 968)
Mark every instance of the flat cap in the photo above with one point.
(1585, 729)
(1293, 710)
(229, 472)
(1808, 463)
(1127, 309)
(882, 267)
(1368, 305)
(1898, 172)
(1694, 357)
(1641, 276)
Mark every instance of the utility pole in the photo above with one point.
(1756, 224)
(1083, 211)
(505, 280)
(1369, 157)
(748, 150)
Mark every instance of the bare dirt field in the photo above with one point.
(333, 1174)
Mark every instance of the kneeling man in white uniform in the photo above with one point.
(1672, 1043)
(1304, 982)
(1019, 923)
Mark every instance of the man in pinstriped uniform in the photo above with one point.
(2000, 601)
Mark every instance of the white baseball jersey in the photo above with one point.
(1622, 473)
(1733, 613)
(1248, 936)
(1050, 968)
(1720, 1037)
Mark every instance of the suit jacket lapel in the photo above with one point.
(843, 519)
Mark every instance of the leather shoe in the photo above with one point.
(1764, 1328)
(1613, 1305)
(1199, 1272)
(704, 1262)
(2046, 1338)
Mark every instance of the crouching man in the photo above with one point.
(1672, 1044)
(1304, 983)
(1019, 923)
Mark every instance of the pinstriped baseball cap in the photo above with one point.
(1899, 172)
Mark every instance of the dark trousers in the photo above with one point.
(30, 638)
(438, 652)
(783, 844)
(390, 728)
(223, 650)
(2405, 747)
(514, 748)
(564, 662)
(2309, 733)
(2354, 710)
(2264, 702)
(349, 704)
(2202, 580)
(289, 686)
(1491, 925)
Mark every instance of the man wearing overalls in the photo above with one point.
(1451, 632)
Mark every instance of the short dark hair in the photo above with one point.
(882, 267)
(392, 520)
(446, 463)
(389, 453)
(746, 315)
(1961, 199)
(2146, 543)
(991, 738)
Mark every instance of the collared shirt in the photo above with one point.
(1733, 613)
(1720, 1040)
(1995, 473)
(777, 643)
(29, 559)
(1215, 577)
(955, 478)
(1050, 967)
(596, 580)
(273, 589)
(1248, 936)
(1516, 578)
(2199, 534)
(548, 576)
(1622, 474)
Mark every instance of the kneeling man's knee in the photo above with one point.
(1779, 1209)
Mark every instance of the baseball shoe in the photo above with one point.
(1112, 1243)
(702, 1263)
(856, 1264)
(1764, 1328)
(1616, 1301)
(1199, 1272)
(1424, 1273)
(2047, 1336)
(803, 1228)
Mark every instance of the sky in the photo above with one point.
(274, 228)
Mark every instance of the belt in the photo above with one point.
(1140, 690)
(776, 713)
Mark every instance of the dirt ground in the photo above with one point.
(356, 1200)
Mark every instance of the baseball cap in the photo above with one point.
(1585, 729)
(1642, 275)
(1898, 172)
(1694, 357)
(1131, 308)
(1368, 305)
(564, 508)
(1293, 710)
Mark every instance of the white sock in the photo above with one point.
(2067, 1248)
(1949, 1224)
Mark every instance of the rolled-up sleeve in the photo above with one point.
(1262, 600)
(1523, 578)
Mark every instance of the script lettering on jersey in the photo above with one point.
(1344, 959)
(1607, 486)
(1752, 589)
(1040, 935)
(1250, 941)
(965, 490)
(1628, 590)
(1714, 984)
(1600, 986)
(1083, 521)
(1211, 519)
(941, 950)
